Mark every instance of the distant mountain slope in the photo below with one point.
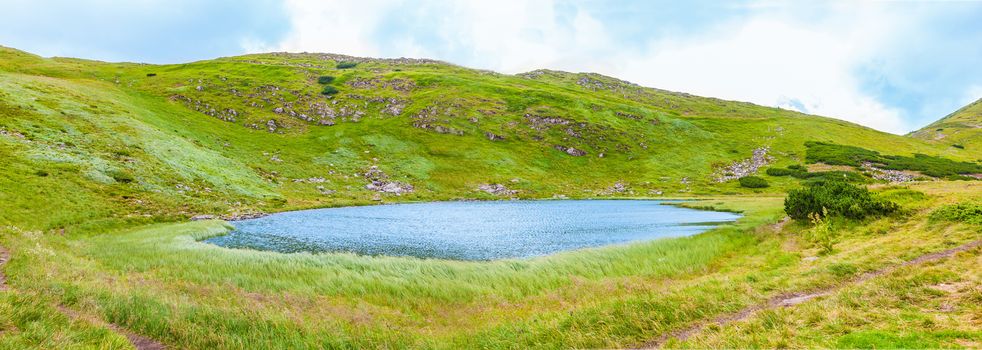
(87, 140)
(961, 129)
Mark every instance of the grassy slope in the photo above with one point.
(963, 128)
(76, 131)
(82, 122)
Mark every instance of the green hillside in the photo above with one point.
(961, 129)
(137, 142)
(102, 164)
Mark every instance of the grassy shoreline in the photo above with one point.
(159, 281)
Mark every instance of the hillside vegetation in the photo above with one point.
(102, 164)
(961, 129)
(104, 143)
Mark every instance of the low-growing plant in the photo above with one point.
(347, 64)
(753, 182)
(823, 233)
(329, 90)
(958, 146)
(820, 152)
(325, 79)
(835, 198)
(778, 171)
(969, 213)
(797, 167)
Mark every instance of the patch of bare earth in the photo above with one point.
(792, 299)
(4, 256)
(138, 341)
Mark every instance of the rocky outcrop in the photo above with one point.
(493, 137)
(497, 189)
(379, 182)
(745, 167)
(894, 176)
(571, 150)
(617, 188)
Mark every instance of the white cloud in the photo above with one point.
(770, 58)
(974, 93)
(329, 26)
(770, 62)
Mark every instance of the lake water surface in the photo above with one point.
(470, 230)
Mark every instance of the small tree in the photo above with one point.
(346, 65)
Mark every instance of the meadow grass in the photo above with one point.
(100, 164)
(159, 280)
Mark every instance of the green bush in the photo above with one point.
(820, 152)
(329, 90)
(797, 167)
(969, 213)
(753, 182)
(325, 79)
(835, 198)
(958, 146)
(346, 65)
(779, 171)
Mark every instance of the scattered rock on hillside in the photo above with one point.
(497, 189)
(542, 122)
(744, 167)
(571, 151)
(895, 176)
(379, 182)
(493, 137)
(202, 217)
(243, 216)
(617, 187)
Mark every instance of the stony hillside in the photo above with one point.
(102, 143)
(961, 129)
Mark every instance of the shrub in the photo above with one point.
(779, 171)
(819, 152)
(835, 198)
(958, 146)
(969, 213)
(753, 182)
(325, 79)
(329, 90)
(797, 167)
(346, 65)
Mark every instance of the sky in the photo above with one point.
(891, 66)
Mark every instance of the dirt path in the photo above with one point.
(786, 300)
(4, 256)
(138, 341)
